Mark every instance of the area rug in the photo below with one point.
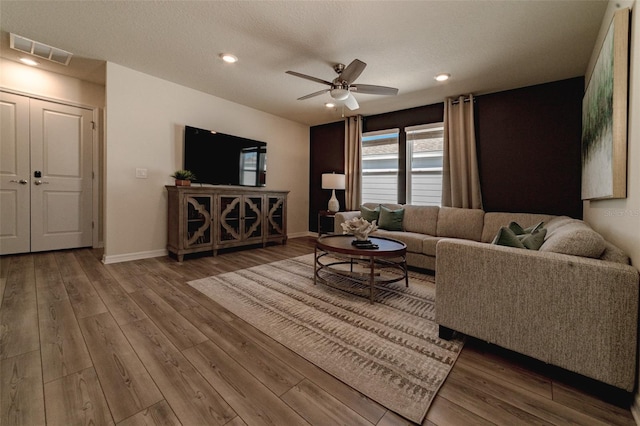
(389, 351)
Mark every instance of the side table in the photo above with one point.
(325, 216)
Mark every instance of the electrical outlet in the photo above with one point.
(141, 173)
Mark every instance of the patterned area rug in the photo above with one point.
(389, 351)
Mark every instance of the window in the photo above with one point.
(380, 166)
(424, 174)
(385, 178)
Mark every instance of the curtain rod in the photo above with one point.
(457, 101)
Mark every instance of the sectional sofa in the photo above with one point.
(572, 303)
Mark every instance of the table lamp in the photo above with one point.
(333, 181)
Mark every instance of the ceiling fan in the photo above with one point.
(342, 86)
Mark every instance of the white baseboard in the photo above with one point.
(302, 234)
(117, 258)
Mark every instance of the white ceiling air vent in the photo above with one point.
(40, 50)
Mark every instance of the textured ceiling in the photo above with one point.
(486, 46)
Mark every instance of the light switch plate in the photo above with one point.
(141, 173)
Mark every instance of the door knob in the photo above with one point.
(40, 182)
(21, 181)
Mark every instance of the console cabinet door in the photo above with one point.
(229, 228)
(275, 216)
(252, 221)
(198, 221)
(240, 219)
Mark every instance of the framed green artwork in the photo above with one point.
(604, 116)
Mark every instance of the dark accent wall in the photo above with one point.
(326, 156)
(401, 119)
(528, 144)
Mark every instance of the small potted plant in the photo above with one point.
(183, 177)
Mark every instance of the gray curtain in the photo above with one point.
(353, 162)
(460, 177)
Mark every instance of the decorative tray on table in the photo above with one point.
(364, 244)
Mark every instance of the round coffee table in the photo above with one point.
(389, 254)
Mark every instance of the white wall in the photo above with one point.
(145, 118)
(38, 83)
(45, 84)
(619, 220)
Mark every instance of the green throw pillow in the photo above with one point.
(506, 237)
(369, 214)
(534, 240)
(530, 238)
(518, 230)
(391, 220)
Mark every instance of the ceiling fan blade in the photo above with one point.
(353, 71)
(351, 102)
(371, 89)
(308, 77)
(311, 95)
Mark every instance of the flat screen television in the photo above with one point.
(220, 159)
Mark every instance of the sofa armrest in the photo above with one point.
(577, 313)
(342, 217)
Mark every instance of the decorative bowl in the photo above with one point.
(358, 227)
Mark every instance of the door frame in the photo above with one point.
(97, 135)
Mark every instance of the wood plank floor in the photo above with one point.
(133, 344)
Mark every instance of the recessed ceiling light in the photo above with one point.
(329, 104)
(229, 58)
(442, 77)
(29, 61)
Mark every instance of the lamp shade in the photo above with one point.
(332, 181)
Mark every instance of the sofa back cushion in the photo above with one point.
(494, 221)
(454, 222)
(421, 219)
(612, 253)
(572, 236)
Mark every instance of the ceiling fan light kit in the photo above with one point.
(339, 94)
(342, 87)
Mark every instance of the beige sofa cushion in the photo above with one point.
(494, 221)
(411, 239)
(460, 223)
(421, 219)
(572, 236)
(612, 253)
(429, 245)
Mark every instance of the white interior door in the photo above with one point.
(61, 176)
(46, 175)
(14, 174)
